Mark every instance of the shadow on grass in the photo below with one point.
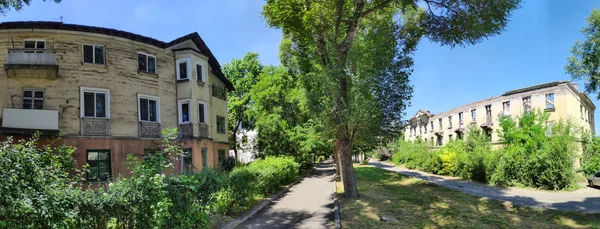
(416, 203)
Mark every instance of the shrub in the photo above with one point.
(320, 159)
(273, 172)
(238, 193)
(590, 159)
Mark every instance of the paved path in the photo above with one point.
(309, 204)
(586, 199)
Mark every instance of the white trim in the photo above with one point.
(147, 55)
(206, 114)
(91, 89)
(179, 110)
(93, 53)
(188, 66)
(149, 97)
(33, 98)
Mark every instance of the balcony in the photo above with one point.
(31, 63)
(204, 130)
(150, 130)
(26, 119)
(95, 126)
(186, 130)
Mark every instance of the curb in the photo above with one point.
(239, 220)
(338, 223)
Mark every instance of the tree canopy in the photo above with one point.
(584, 64)
(7, 5)
(354, 57)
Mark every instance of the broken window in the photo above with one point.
(460, 119)
(527, 104)
(449, 122)
(440, 121)
(550, 101)
(506, 108)
(488, 113)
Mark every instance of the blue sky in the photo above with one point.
(533, 48)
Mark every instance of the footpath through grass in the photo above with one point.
(418, 204)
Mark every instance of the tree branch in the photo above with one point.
(446, 6)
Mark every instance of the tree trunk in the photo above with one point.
(344, 152)
(336, 160)
(234, 133)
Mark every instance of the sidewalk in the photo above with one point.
(309, 204)
(585, 199)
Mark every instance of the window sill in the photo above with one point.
(93, 64)
(142, 121)
(98, 182)
(147, 73)
(182, 80)
(201, 83)
(550, 109)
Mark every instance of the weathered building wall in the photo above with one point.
(119, 75)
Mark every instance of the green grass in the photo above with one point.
(418, 204)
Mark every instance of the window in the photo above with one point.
(440, 121)
(440, 140)
(183, 71)
(202, 112)
(95, 102)
(199, 73)
(93, 54)
(187, 167)
(506, 108)
(218, 91)
(425, 126)
(527, 104)
(220, 124)
(449, 122)
(488, 113)
(550, 101)
(184, 111)
(581, 111)
(34, 44)
(98, 165)
(148, 108)
(460, 119)
(474, 115)
(146, 63)
(432, 126)
(221, 153)
(33, 99)
(204, 158)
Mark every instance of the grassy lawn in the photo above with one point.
(418, 204)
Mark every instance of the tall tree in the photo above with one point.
(6, 5)
(354, 56)
(244, 75)
(584, 64)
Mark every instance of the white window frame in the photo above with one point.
(201, 64)
(36, 41)
(147, 55)
(206, 114)
(93, 53)
(506, 111)
(33, 98)
(148, 97)
(189, 68)
(179, 109)
(106, 91)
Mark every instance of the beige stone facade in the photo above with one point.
(560, 99)
(112, 90)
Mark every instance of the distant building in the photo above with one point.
(561, 99)
(247, 145)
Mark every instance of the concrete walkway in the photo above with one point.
(586, 199)
(309, 204)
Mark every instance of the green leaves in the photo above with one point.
(584, 64)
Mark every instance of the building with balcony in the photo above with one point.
(560, 99)
(110, 93)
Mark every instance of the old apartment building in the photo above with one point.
(110, 93)
(560, 99)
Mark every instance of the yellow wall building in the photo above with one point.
(560, 99)
(111, 93)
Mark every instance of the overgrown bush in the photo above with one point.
(590, 159)
(238, 194)
(320, 159)
(536, 153)
(273, 172)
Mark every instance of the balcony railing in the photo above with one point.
(186, 130)
(31, 57)
(35, 63)
(95, 126)
(204, 130)
(150, 130)
(30, 119)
